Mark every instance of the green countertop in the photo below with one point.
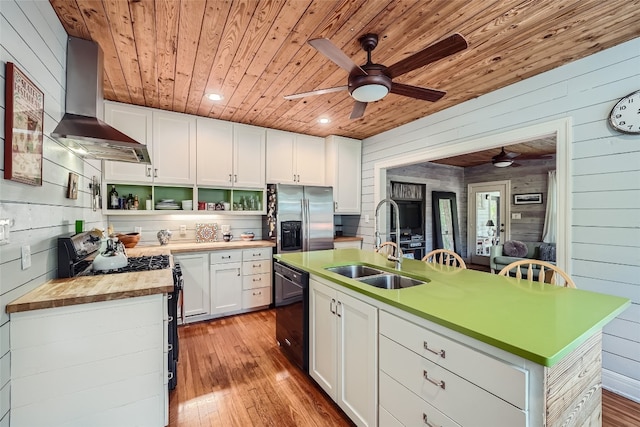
(539, 322)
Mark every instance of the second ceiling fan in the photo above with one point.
(372, 82)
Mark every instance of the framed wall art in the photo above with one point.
(23, 127)
(527, 199)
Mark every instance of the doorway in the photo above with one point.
(487, 218)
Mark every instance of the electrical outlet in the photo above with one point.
(137, 229)
(366, 218)
(26, 257)
(183, 230)
(4, 230)
(516, 215)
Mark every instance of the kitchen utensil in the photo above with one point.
(129, 240)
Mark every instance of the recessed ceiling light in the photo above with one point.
(323, 120)
(215, 96)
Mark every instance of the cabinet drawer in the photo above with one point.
(256, 297)
(256, 253)
(502, 379)
(462, 401)
(256, 266)
(255, 281)
(385, 419)
(218, 257)
(406, 408)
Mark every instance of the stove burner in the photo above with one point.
(135, 264)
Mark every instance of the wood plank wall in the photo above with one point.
(34, 40)
(436, 178)
(604, 178)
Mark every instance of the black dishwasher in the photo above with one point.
(292, 313)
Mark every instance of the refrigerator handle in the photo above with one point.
(307, 225)
(303, 229)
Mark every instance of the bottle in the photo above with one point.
(113, 197)
(149, 204)
(130, 201)
(136, 202)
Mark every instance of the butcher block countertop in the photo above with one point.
(106, 287)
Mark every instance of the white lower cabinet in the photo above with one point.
(425, 376)
(226, 281)
(343, 351)
(256, 277)
(195, 292)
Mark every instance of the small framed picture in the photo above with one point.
(527, 199)
(72, 188)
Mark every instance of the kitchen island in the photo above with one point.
(465, 348)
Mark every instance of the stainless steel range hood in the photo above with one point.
(81, 128)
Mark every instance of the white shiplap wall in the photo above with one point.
(605, 177)
(32, 37)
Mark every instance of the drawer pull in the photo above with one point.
(257, 266)
(287, 342)
(426, 422)
(258, 254)
(440, 384)
(259, 279)
(259, 293)
(440, 353)
(226, 257)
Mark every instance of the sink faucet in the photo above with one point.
(378, 241)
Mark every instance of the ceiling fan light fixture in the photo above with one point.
(502, 163)
(370, 93)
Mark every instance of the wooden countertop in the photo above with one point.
(347, 239)
(106, 287)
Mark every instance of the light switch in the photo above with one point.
(183, 230)
(5, 223)
(516, 215)
(26, 256)
(366, 219)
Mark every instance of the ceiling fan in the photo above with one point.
(372, 82)
(504, 159)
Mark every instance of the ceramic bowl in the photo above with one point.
(247, 236)
(129, 240)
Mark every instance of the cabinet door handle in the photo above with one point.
(155, 172)
(148, 171)
(238, 272)
(333, 301)
(440, 353)
(440, 384)
(425, 421)
(335, 206)
(235, 177)
(339, 312)
(170, 375)
(229, 177)
(287, 342)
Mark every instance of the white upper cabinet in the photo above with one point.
(136, 122)
(344, 173)
(294, 158)
(174, 143)
(249, 156)
(214, 152)
(230, 154)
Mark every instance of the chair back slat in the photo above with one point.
(445, 257)
(544, 268)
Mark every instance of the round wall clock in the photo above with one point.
(625, 115)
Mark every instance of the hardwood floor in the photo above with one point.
(232, 373)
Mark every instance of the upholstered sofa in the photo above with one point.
(498, 259)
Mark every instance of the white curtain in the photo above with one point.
(550, 230)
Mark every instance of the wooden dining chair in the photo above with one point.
(388, 248)
(444, 257)
(546, 272)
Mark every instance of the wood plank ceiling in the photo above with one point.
(169, 53)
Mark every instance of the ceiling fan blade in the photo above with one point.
(441, 49)
(423, 93)
(316, 92)
(534, 156)
(358, 110)
(328, 49)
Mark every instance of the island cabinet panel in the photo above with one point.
(445, 390)
(101, 363)
(343, 351)
(458, 358)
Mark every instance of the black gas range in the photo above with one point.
(75, 252)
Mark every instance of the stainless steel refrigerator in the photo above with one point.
(299, 218)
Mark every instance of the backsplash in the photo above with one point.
(151, 224)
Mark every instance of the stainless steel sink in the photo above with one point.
(390, 281)
(354, 271)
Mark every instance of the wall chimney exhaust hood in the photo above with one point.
(81, 128)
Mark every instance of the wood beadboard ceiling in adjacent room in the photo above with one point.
(168, 53)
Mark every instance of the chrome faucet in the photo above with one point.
(378, 241)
